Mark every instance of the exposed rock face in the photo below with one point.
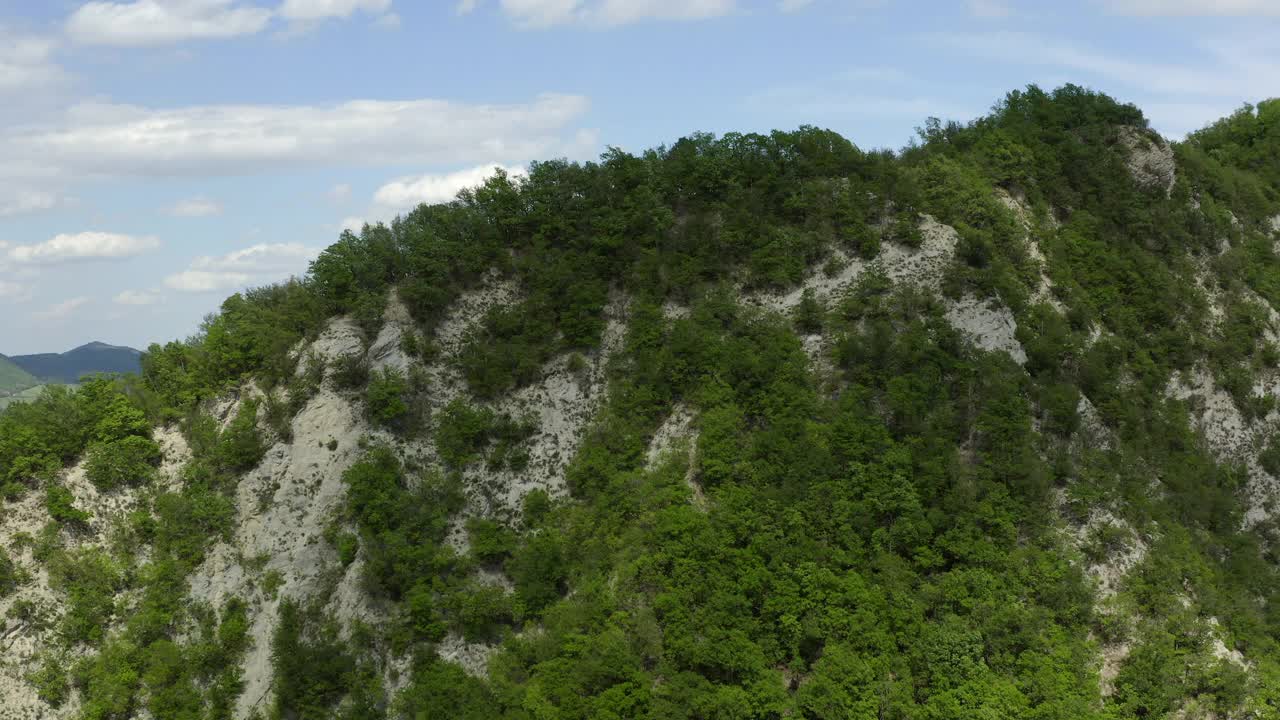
(22, 643)
(1151, 160)
(990, 326)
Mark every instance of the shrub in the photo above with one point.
(59, 501)
(385, 398)
(8, 574)
(350, 372)
(1269, 458)
(809, 313)
(50, 680)
(491, 542)
(130, 461)
(462, 432)
(271, 583)
(241, 447)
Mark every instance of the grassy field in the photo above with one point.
(23, 396)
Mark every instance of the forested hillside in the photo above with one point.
(89, 359)
(752, 426)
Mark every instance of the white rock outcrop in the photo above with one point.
(988, 324)
(1151, 160)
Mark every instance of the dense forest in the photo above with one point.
(867, 514)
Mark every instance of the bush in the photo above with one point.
(385, 398)
(350, 372)
(91, 580)
(462, 432)
(809, 313)
(491, 542)
(241, 447)
(59, 501)
(128, 462)
(1269, 458)
(8, 574)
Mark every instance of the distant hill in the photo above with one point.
(70, 366)
(13, 378)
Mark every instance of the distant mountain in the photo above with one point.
(72, 365)
(14, 378)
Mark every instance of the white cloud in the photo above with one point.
(161, 22)
(793, 5)
(312, 10)
(60, 311)
(14, 292)
(119, 140)
(196, 207)
(409, 192)
(206, 281)
(353, 223)
(1201, 8)
(26, 63)
(82, 246)
(605, 13)
(26, 201)
(256, 264)
(136, 298)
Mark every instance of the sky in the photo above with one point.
(158, 155)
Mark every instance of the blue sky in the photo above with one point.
(158, 155)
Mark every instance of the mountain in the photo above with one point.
(88, 359)
(13, 378)
(751, 426)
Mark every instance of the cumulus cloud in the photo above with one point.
(606, 13)
(409, 192)
(1237, 8)
(27, 201)
(26, 63)
(60, 311)
(82, 246)
(120, 140)
(196, 207)
(256, 264)
(160, 22)
(313, 10)
(136, 298)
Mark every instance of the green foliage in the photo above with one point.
(50, 680)
(809, 313)
(385, 398)
(127, 462)
(60, 503)
(464, 433)
(241, 447)
(884, 546)
(491, 542)
(9, 574)
(90, 579)
(402, 522)
(314, 670)
(271, 583)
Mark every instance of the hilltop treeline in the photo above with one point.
(888, 542)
